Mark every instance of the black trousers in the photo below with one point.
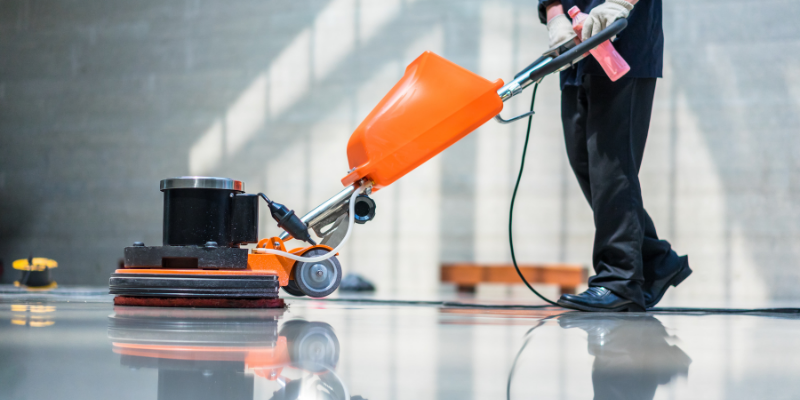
(605, 129)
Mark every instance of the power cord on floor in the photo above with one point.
(514, 198)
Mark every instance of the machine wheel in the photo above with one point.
(318, 279)
(293, 289)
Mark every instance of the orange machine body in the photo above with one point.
(434, 105)
(257, 264)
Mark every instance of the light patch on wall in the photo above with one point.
(286, 181)
(699, 210)
(374, 14)
(327, 151)
(289, 77)
(206, 153)
(289, 74)
(418, 243)
(432, 41)
(246, 116)
(747, 281)
(334, 36)
(792, 76)
(496, 40)
(491, 168)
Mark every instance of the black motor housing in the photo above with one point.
(199, 210)
(205, 221)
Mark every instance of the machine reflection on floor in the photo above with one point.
(213, 354)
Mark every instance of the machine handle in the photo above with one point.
(558, 58)
(579, 50)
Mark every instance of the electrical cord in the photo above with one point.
(514, 198)
(288, 220)
(350, 222)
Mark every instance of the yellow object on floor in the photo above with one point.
(36, 273)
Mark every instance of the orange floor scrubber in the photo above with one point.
(201, 264)
(435, 104)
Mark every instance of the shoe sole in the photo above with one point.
(675, 281)
(629, 307)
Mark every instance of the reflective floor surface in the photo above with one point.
(354, 350)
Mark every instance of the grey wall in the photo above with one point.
(99, 100)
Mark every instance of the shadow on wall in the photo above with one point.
(742, 85)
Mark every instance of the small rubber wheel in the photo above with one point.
(293, 289)
(318, 279)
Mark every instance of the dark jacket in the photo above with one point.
(641, 44)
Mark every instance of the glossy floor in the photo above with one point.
(343, 350)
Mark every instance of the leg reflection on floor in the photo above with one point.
(631, 354)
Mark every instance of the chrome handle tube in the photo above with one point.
(326, 209)
(522, 80)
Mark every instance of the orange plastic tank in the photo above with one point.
(435, 104)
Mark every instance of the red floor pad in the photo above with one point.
(197, 302)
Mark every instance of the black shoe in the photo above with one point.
(655, 291)
(598, 298)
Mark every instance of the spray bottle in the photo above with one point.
(605, 54)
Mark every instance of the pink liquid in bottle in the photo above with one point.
(605, 54)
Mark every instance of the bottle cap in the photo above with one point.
(574, 11)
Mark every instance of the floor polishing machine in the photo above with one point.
(206, 220)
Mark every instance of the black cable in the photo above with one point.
(288, 221)
(514, 198)
(689, 310)
(456, 304)
(263, 196)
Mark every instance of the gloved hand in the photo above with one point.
(560, 30)
(604, 15)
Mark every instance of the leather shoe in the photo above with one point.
(653, 292)
(598, 298)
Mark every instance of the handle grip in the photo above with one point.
(576, 52)
(556, 59)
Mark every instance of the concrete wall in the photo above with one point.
(99, 100)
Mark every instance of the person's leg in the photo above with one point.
(574, 113)
(662, 266)
(616, 129)
(657, 254)
(573, 119)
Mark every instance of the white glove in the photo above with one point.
(604, 15)
(560, 30)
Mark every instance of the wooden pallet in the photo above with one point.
(467, 276)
